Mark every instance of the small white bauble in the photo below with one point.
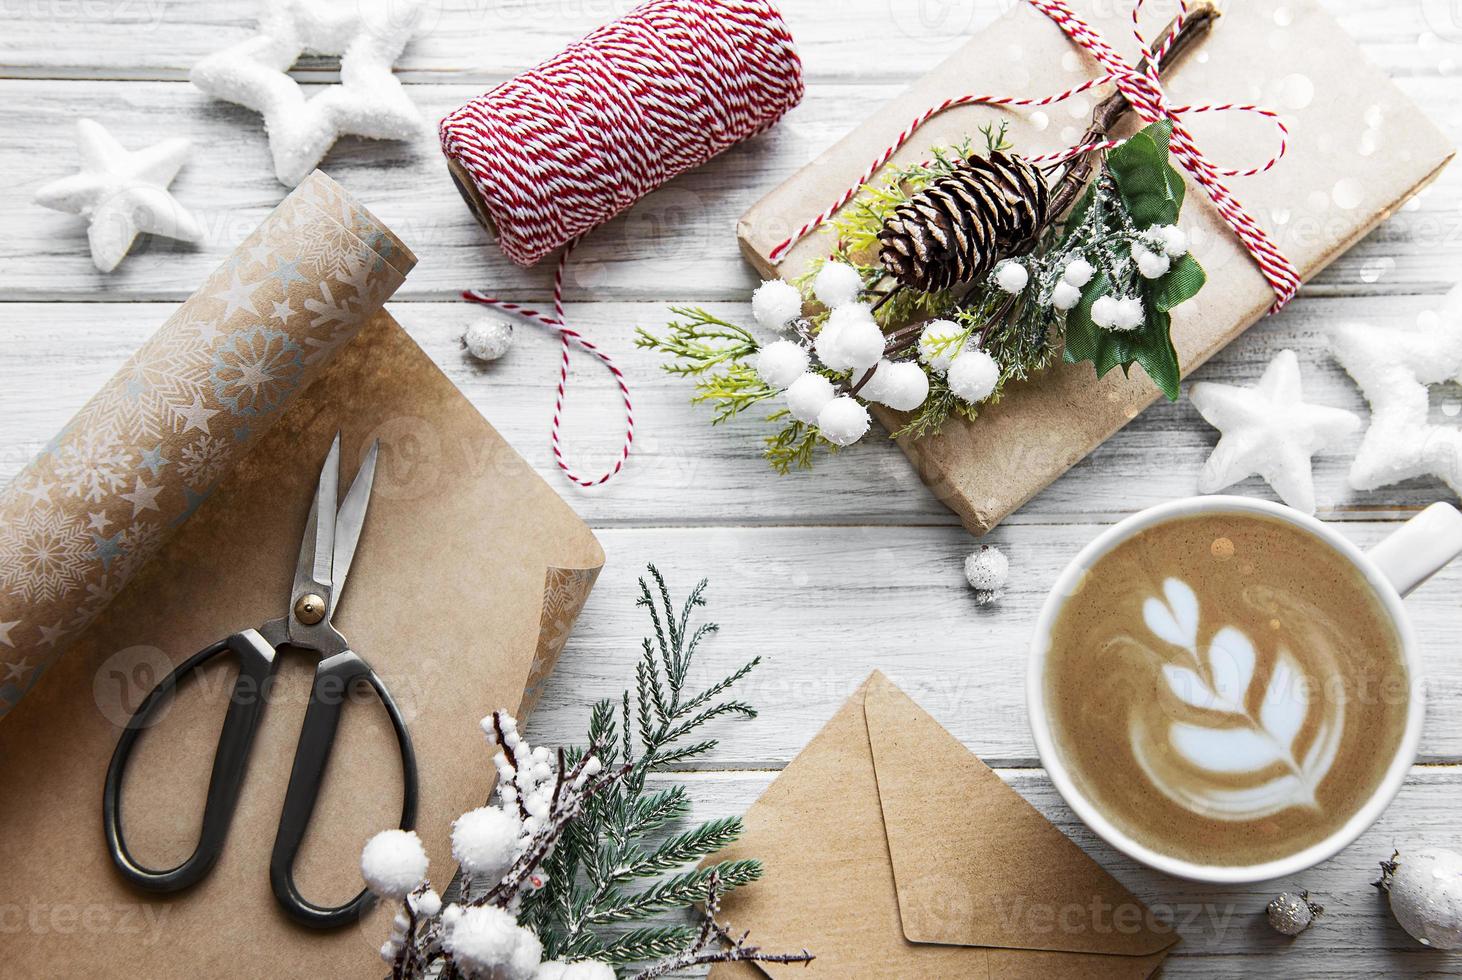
(780, 363)
(973, 375)
(938, 343)
(874, 388)
(843, 421)
(1078, 272)
(987, 570)
(1292, 914)
(1129, 314)
(837, 284)
(1174, 240)
(809, 395)
(1065, 295)
(859, 340)
(1425, 887)
(1104, 312)
(485, 841)
(393, 863)
(488, 337)
(905, 388)
(776, 303)
(1150, 264)
(829, 347)
(1011, 276)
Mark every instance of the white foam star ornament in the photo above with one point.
(1268, 430)
(368, 35)
(1394, 367)
(121, 193)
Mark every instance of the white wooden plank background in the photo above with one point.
(828, 574)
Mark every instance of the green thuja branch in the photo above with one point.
(616, 867)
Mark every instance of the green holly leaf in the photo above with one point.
(1150, 346)
(1178, 285)
(1151, 189)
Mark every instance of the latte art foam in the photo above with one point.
(1226, 688)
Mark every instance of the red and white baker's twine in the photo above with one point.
(564, 147)
(1142, 87)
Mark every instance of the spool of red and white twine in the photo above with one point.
(550, 155)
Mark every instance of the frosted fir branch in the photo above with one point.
(714, 943)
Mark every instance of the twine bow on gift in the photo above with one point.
(1141, 86)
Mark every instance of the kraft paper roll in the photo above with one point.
(105, 494)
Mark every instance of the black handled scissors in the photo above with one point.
(325, 556)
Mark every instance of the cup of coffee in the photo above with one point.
(1229, 690)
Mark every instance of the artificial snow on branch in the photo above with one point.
(548, 869)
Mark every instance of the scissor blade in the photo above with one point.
(351, 518)
(317, 547)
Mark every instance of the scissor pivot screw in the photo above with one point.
(309, 609)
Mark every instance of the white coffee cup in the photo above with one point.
(1394, 567)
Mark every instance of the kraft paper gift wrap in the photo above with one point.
(470, 573)
(95, 506)
(892, 851)
(1357, 150)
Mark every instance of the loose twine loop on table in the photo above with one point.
(560, 149)
(1142, 87)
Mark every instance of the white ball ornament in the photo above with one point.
(488, 337)
(780, 363)
(485, 841)
(393, 863)
(1129, 314)
(1174, 240)
(775, 304)
(938, 343)
(1104, 312)
(1011, 276)
(487, 943)
(1425, 888)
(829, 346)
(843, 421)
(973, 375)
(876, 386)
(906, 387)
(1150, 264)
(808, 396)
(1064, 296)
(858, 339)
(1078, 272)
(987, 570)
(837, 284)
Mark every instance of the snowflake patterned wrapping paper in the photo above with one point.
(1358, 148)
(104, 495)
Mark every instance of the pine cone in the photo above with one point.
(957, 228)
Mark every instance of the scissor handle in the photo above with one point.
(246, 707)
(333, 678)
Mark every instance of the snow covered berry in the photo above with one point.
(987, 570)
(776, 303)
(938, 343)
(393, 863)
(973, 375)
(1425, 888)
(1011, 276)
(1149, 263)
(843, 421)
(1078, 272)
(487, 943)
(1064, 296)
(485, 841)
(427, 904)
(780, 363)
(808, 396)
(488, 337)
(837, 284)
(904, 388)
(1174, 240)
(1129, 314)
(860, 339)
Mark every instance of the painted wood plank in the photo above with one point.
(825, 605)
(1223, 928)
(485, 41)
(678, 243)
(684, 471)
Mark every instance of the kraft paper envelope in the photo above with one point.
(470, 573)
(892, 851)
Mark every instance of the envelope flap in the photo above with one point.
(974, 863)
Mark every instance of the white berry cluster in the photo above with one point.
(485, 940)
(1156, 249)
(850, 342)
(970, 372)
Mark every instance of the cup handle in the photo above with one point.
(1419, 549)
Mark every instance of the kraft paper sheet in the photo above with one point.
(469, 576)
(1358, 149)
